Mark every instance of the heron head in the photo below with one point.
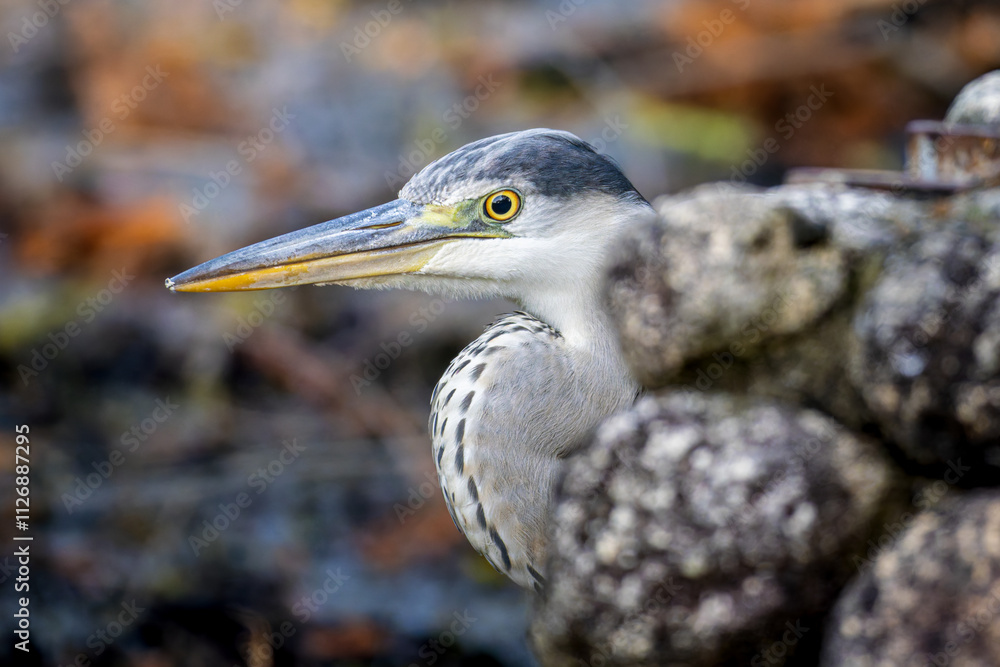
(497, 217)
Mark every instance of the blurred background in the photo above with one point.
(246, 479)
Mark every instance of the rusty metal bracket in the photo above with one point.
(956, 153)
(942, 159)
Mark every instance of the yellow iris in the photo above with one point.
(502, 205)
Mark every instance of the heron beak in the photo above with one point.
(395, 238)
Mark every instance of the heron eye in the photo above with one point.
(503, 205)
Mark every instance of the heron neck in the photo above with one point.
(581, 317)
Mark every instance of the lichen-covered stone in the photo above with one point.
(978, 103)
(928, 363)
(882, 311)
(696, 530)
(932, 598)
(696, 527)
(693, 282)
(738, 272)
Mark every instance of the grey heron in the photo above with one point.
(527, 216)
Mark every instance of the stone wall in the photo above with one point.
(814, 474)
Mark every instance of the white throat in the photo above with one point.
(554, 267)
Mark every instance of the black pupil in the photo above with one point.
(501, 205)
